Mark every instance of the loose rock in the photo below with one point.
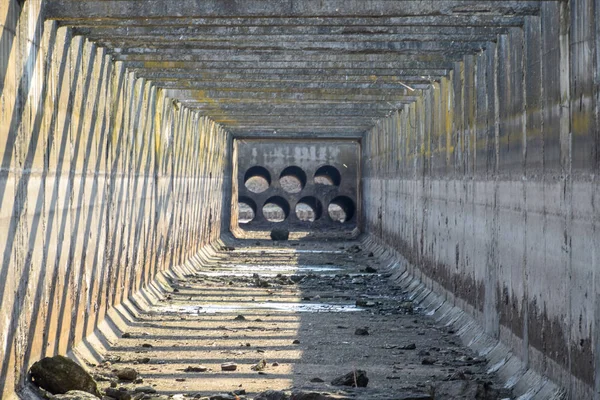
(127, 374)
(60, 375)
(229, 366)
(145, 389)
(74, 395)
(357, 378)
(272, 395)
(280, 234)
(428, 361)
(118, 394)
(200, 368)
(411, 346)
(259, 366)
(362, 332)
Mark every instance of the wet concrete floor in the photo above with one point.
(312, 312)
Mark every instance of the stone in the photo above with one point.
(144, 389)
(259, 366)
(118, 394)
(280, 234)
(126, 335)
(411, 346)
(199, 368)
(228, 366)
(362, 331)
(127, 374)
(356, 378)
(60, 375)
(370, 270)
(74, 395)
(296, 341)
(317, 380)
(224, 397)
(309, 396)
(272, 395)
(428, 361)
(239, 318)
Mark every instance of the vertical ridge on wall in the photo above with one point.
(489, 186)
(104, 182)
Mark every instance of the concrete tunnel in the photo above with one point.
(429, 168)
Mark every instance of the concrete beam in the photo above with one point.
(426, 63)
(136, 9)
(291, 77)
(234, 96)
(226, 48)
(348, 24)
(296, 87)
(312, 74)
(288, 33)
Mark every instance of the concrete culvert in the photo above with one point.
(341, 209)
(257, 179)
(292, 179)
(328, 175)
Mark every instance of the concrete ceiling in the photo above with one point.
(296, 67)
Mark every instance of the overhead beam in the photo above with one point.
(226, 49)
(348, 24)
(142, 9)
(288, 73)
(284, 33)
(292, 87)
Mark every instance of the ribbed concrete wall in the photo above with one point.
(104, 182)
(489, 186)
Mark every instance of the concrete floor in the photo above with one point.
(300, 314)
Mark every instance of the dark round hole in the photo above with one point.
(276, 209)
(328, 175)
(341, 209)
(257, 179)
(309, 209)
(292, 179)
(246, 210)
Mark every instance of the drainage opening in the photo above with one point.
(292, 179)
(309, 209)
(246, 210)
(257, 179)
(341, 209)
(276, 209)
(328, 175)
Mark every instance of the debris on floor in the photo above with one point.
(325, 316)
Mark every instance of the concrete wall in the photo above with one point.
(104, 182)
(489, 186)
(277, 155)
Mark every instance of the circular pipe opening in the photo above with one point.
(341, 209)
(328, 175)
(257, 179)
(246, 210)
(292, 179)
(276, 209)
(309, 209)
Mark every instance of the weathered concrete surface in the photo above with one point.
(278, 155)
(488, 184)
(313, 68)
(104, 182)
